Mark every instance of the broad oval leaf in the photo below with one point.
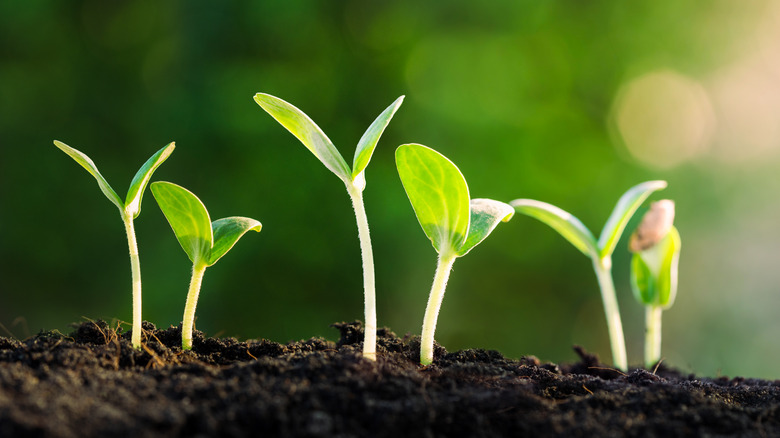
(561, 221)
(438, 193)
(227, 231)
(188, 218)
(485, 215)
(304, 128)
(137, 187)
(621, 214)
(370, 138)
(87, 163)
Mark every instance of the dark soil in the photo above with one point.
(92, 383)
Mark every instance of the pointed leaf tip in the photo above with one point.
(486, 214)
(621, 214)
(369, 140)
(138, 185)
(561, 221)
(87, 163)
(227, 231)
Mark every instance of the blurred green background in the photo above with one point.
(567, 102)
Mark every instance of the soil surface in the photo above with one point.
(92, 383)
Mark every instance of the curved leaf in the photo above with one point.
(188, 218)
(667, 278)
(138, 185)
(438, 193)
(654, 272)
(561, 221)
(227, 231)
(87, 163)
(302, 127)
(370, 138)
(621, 214)
(485, 215)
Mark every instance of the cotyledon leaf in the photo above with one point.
(138, 185)
(87, 164)
(304, 128)
(621, 214)
(438, 193)
(188, 218)
(370, 138)
(561, 221)
(486, 214)
(227, 231)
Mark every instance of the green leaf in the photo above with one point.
(141, 179)
(621, 214)
(654, 271)
(561, 221)
(302, 127)
(227, 231)
(188, 218)
(87, 163)
(370, 138)
(438, 193)
(485, 215)
(642, 281)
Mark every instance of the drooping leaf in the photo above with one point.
(304, 128)
(370, 138)
(138, 186)
(561, 221)
(227, 231)
(621, 214)
(87, 163)
(438, 194)
(188, 218)
(485, 215)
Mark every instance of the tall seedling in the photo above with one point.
(453, 221)
(302, 127)
(129, 209)
(599, 251)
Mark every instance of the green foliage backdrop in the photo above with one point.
(530, 99)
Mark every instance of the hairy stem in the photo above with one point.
(443, 269)
(603, 268)
(369, 284)
(188, 321)
(652, 335)
(135, 267)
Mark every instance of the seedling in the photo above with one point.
(656, 248)
(600, 251)
(302, 127)
(204, 241)
(129, 209)
(453, 221)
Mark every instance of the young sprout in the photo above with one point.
(129, 209)
(302, 127)
(656, 248)
(600, 251)
(204, 241)
(453, 221)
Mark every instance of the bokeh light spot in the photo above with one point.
(663, 118)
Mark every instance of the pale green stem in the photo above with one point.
(443, 269)
(652, 335)
(135, 267)
(188, 321)
(369, 284)
(603, 268)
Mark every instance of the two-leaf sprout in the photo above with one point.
(129, 209)
(656, 247)
(204, 241)
(302, 127)
(600, 251)
(453, 221)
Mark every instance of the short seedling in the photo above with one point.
(453, 221)
(656, 248)
(600, 251)
(129, 209)
(204, 241)
(301, 126)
